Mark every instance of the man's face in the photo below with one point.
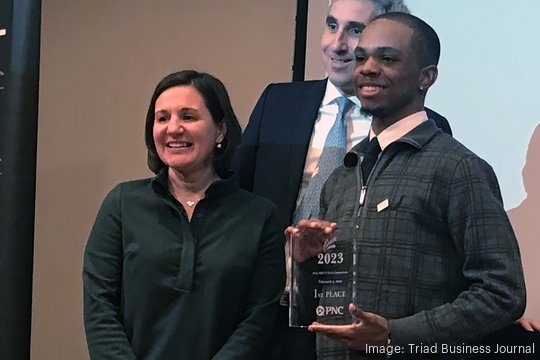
(344, 23)
(387, 71)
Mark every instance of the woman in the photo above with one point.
(184, 265)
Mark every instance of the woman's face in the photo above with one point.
(184, 132)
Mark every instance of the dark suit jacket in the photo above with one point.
(273, 152)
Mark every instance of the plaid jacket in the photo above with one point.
(436, 254)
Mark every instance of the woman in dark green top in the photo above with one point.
(184, 265)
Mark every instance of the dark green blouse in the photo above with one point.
(157, 286)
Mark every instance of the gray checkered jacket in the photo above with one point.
(436, 254)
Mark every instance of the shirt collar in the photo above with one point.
(332, 93)
(399, 128)
(220, 187)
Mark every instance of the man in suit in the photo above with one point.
(289, 129)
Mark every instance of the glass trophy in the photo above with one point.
(322, 281)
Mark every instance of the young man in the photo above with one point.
(437, 261)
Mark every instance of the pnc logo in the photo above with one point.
(329, 310)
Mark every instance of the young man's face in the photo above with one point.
(387, 70)
(344, 23)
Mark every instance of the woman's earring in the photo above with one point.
(218, 146)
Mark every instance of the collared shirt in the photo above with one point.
(155, 282)
(397, 130)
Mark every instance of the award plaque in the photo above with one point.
(322, 281)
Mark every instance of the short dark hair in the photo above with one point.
(424, 41)
(217, 101)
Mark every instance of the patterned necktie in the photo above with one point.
(370, 157)
(331, 157)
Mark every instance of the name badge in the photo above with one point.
(382, 205)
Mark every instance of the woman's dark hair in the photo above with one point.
(217, 101)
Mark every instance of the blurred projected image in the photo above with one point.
(524, 219)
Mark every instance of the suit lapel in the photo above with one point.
(305, 114)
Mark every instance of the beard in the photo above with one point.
(384, 116)
(373, 112)
(365, 112)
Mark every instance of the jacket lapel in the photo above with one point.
(305, 114)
